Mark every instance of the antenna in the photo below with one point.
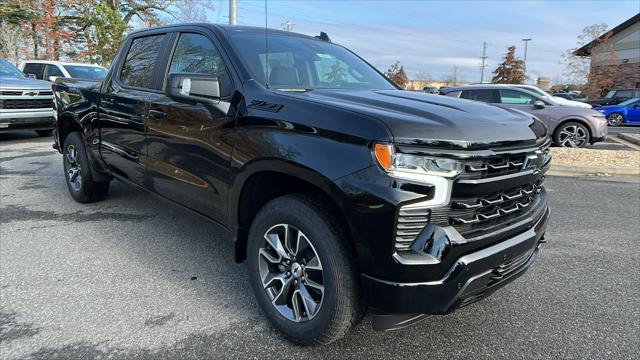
(266, 47)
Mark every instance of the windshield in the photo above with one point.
(295, 62)
(538, 91)
(86, 72)
(629, 102)
(6, 69)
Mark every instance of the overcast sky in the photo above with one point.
(432, 36)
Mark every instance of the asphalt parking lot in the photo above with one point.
(135, 277)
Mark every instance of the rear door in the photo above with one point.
(123, 106)
(189, 147)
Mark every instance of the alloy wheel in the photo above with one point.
(291, 273)
(572, 136)
(74, 171)
(615, 119)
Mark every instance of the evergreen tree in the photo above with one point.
(510, 71)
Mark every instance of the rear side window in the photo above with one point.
(52, 70)
(488, 96)
(624, 93)
(454, 93)
(139, 65)
(35, 69)
(195, 53)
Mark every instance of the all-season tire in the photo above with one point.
(43, 133)
(78, 173)
(615, 119)
(340, 307)
(572, 134)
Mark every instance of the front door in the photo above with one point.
(123, 108)
(189, 149)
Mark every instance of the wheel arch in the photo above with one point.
(265, 180)
(67, 123)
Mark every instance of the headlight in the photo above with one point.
(392, 162)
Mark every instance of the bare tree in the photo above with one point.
(189, 11)
(454, 78)
(577, 67)
(397, 74)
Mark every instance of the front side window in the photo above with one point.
(296, 62)
(52, 70)
(86, 72)
(195, 53)
(624, 93)
(513, 97)
(139, 65)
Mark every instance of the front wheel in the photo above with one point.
(572, 134)
(615, 119)
(301, 270)
(77, 171)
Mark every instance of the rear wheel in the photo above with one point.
(572, 134)
(77, 172)
(301, 270)
(44, 133)
(615, 119)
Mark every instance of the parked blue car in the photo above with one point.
(627, 112)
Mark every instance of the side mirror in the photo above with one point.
(192, 86)
(52, 78)
(538, 104)
(31, 76)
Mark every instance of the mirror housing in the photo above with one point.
(538, 104)
(52, 78)
(192, 86)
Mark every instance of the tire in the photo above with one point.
(615, 119)
(43, 133)
(77, 171)
(330, 313)
(572, 134)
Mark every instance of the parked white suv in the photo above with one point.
(50, 70)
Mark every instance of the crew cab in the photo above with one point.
(50, 70)
(340, 191)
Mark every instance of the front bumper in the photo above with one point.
(39, 119)
(471, 277)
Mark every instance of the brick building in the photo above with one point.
(615, 58)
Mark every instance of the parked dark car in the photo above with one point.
(430, 90)
(570, 96)
(627, 112)
(568, 126)
(615, 97)
(339, 190)
(25, 103)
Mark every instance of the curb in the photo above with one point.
(569, 170)
(629, 138)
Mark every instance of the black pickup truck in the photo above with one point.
(341, 191)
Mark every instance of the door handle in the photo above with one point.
(157, 114)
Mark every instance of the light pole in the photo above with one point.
(526, 42)
(233, 18)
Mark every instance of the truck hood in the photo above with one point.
(434, 120)
(23, 83)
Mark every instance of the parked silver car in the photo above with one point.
(568, 126)
(25, 103)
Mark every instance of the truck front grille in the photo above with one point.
(26, 104)
(471, 213)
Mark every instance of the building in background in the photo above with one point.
(615, 58)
